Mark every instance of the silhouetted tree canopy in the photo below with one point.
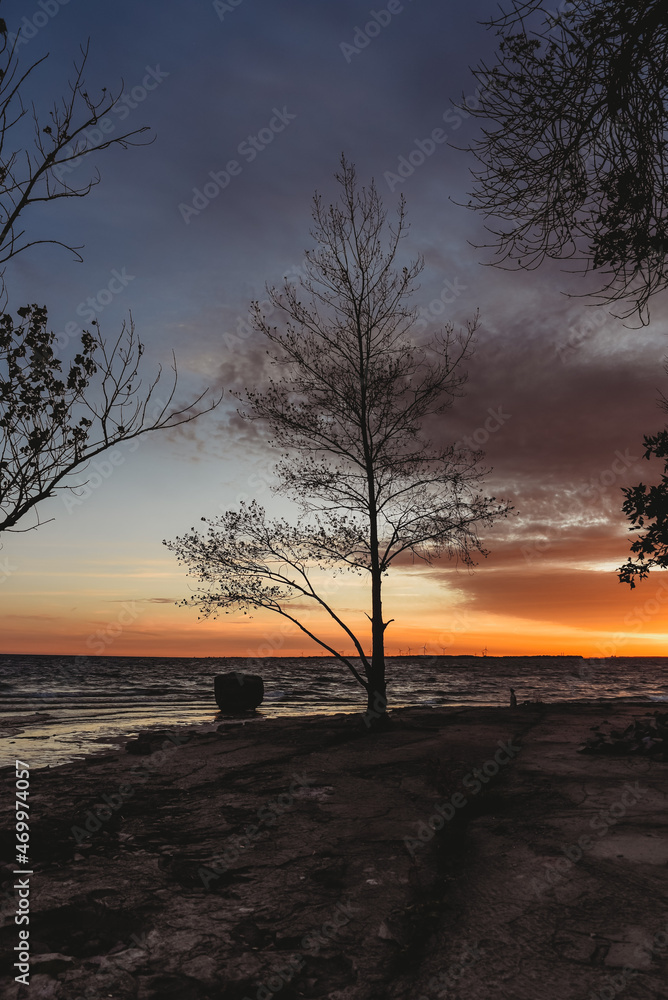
(346, 411)
(574, 149)
(53, 421)
(647, 509)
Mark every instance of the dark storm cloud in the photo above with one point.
(558, 374)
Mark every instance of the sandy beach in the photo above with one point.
(468, 853)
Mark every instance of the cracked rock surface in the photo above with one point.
(297, 858)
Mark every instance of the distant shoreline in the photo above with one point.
(388, 656)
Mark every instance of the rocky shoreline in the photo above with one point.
(468, 853)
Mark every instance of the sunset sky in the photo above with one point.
(282, 89)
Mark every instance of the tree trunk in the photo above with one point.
(376, 706)
(376, 712)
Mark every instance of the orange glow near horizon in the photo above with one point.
(183, 643)
(121, 600)
(571, 612)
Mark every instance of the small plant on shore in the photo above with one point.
(647, 736)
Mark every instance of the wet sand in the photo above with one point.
(468, 853)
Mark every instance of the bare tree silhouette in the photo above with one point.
(347, 412)
(31, 174)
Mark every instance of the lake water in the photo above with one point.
(88, 703)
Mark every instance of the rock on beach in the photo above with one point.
(238, 692)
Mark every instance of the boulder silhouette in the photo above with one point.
(237, 692)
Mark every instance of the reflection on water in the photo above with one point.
(86, 704)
